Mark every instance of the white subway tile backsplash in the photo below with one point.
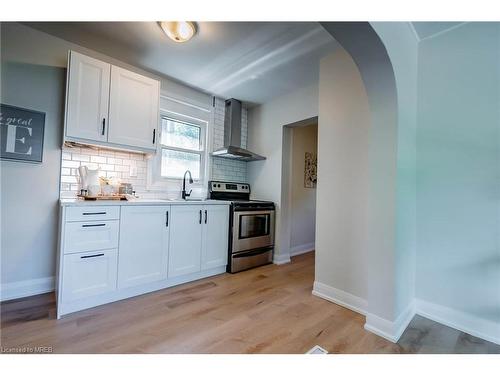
(81, 157)
(70, 164)
(111, 164)
(97, 159)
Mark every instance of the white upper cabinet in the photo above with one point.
(110, 106)
(215, 237)
(134, 109)
(87, 98)
(143, 257)
(185, 240)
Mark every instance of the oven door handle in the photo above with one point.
(256, 212)
(251, 253)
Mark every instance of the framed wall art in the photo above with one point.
(21, 134)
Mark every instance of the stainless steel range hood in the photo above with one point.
(232, 135)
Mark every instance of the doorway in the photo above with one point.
(299, 177)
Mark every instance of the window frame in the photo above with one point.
(183, 109)
(203, 145)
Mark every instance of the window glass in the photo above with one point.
(175, 163)
(180, 135)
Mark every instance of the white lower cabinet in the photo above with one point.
(185, 240)
(199, 238)
(144, 232)
(90, 235)
(108, 253)
(215, 239)
(89, 274)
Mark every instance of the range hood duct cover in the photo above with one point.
(232, 135)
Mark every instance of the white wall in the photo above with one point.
(458, 191)
(265, 137)
(370, 55)
(343, 180)
(303, 200)
(402, 47)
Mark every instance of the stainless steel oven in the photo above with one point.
(251, 226)
(252, 229)
(252, 237)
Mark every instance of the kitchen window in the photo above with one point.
(182, 148)
(182, 145)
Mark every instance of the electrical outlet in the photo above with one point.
(133, 171)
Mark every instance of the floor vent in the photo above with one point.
(317, 350)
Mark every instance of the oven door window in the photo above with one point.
(254, 225)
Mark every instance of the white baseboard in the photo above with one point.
(26, 288)
(302, 249)
(390, 330)
(281, 259)
(484, 329)
(340, 297)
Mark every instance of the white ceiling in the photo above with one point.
(428, 29)
(250, 61)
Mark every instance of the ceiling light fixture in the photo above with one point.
(179, 32)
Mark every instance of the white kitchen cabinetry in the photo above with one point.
(90, 235)
(110, 106)
(116, 251)
(199, 239)
(185, 240)
(133, 109)
(215, 237)
(87, 98)
(89, 274)
(143, 245)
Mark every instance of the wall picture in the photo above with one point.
(21, 134)
(311, 170)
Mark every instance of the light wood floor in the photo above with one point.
(265, 310)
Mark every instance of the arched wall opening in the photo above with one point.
(357, 256)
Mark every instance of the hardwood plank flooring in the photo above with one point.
(265, 310)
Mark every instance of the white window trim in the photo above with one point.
(154, 180)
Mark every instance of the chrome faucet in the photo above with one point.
(184, 193)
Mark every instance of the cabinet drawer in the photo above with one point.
(90, 235)
(92, 213)
(89, 274)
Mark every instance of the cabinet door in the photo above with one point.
(133, 109)
(215, 236)
(143, 251)
(185, 240)
(88, 274)
(87, 98)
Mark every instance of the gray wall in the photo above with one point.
(30, 192)
(458, 175)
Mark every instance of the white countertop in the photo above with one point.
(66, 202)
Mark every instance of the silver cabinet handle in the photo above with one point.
(103, 126)
(166, 219)
(93, 225)
(206, 216)
(200, 216)
(94, 213)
